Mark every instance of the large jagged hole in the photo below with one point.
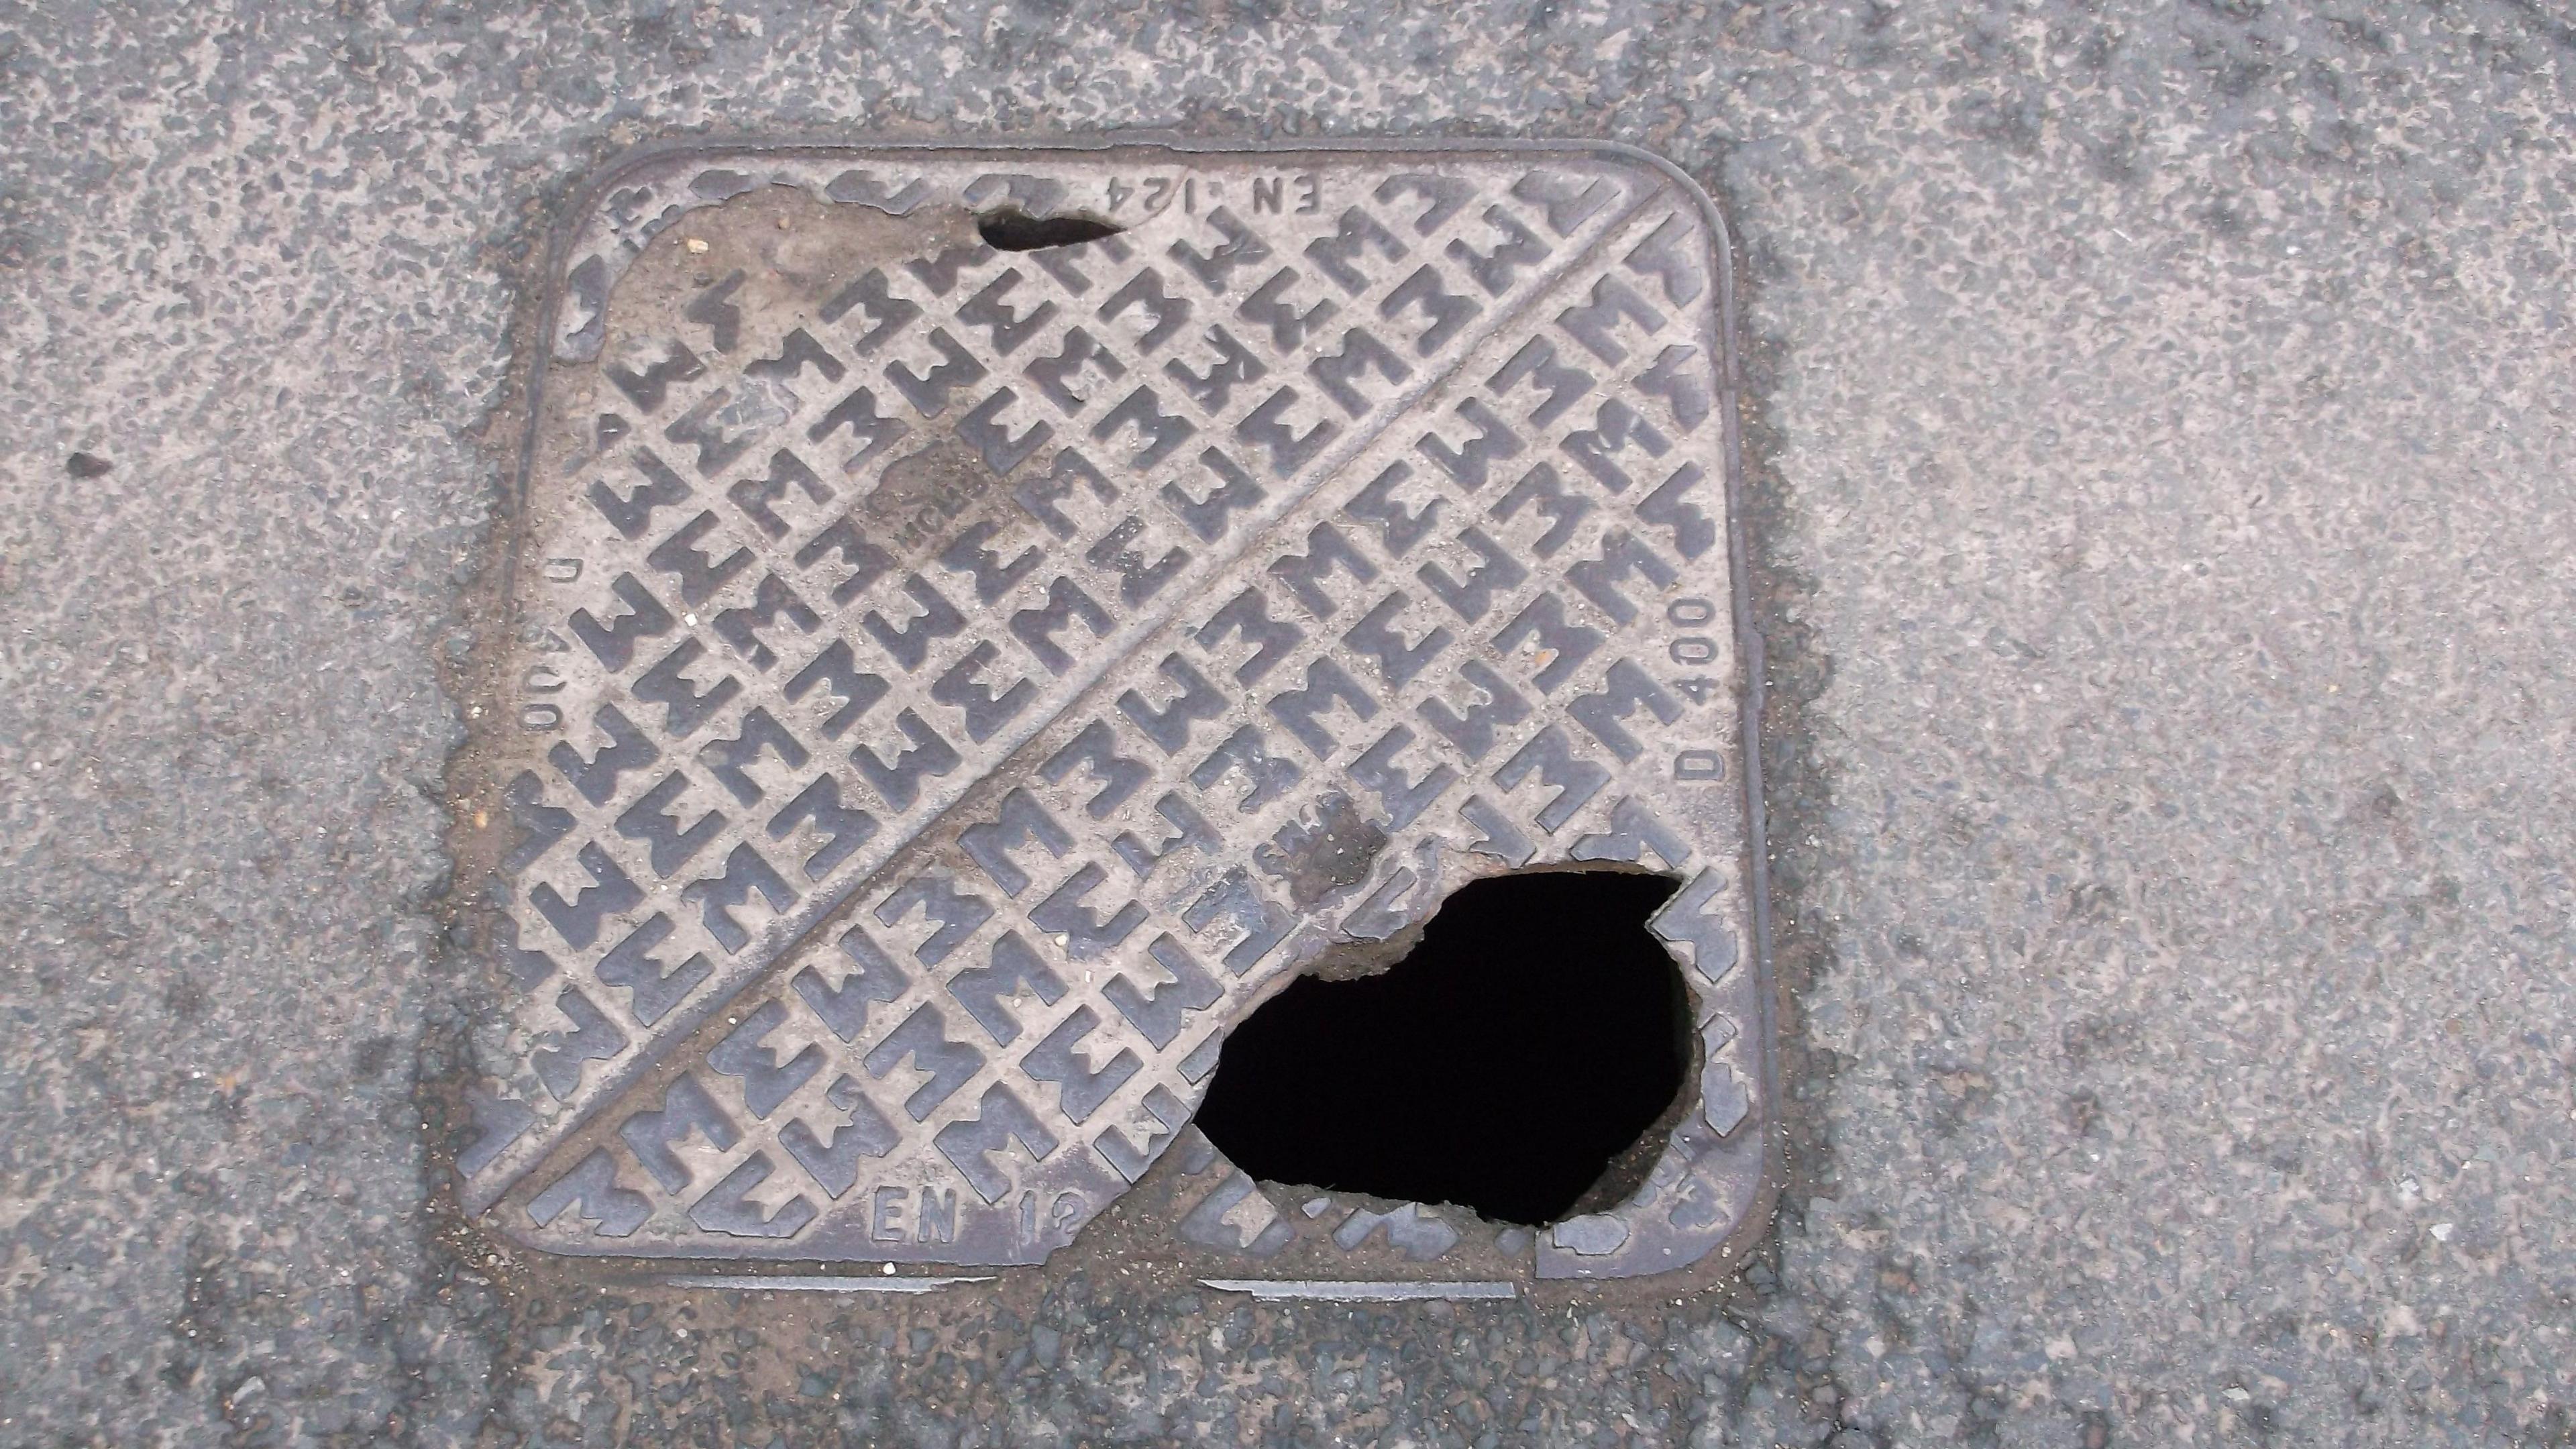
(1531, 1038)
(1011, 230)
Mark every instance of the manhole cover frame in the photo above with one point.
(1606, 1245)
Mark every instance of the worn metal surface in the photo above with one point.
(948, 686)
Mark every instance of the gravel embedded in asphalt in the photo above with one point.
(2158, 432)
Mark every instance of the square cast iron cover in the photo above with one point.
(930, 670)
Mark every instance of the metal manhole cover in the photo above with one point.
(931, 667)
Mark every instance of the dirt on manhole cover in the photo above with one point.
(981, 620)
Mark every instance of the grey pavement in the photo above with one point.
(2162, 470)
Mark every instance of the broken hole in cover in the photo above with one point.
(1010, 229)
(1516, 1062)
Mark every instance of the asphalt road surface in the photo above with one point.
(2161, 458)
